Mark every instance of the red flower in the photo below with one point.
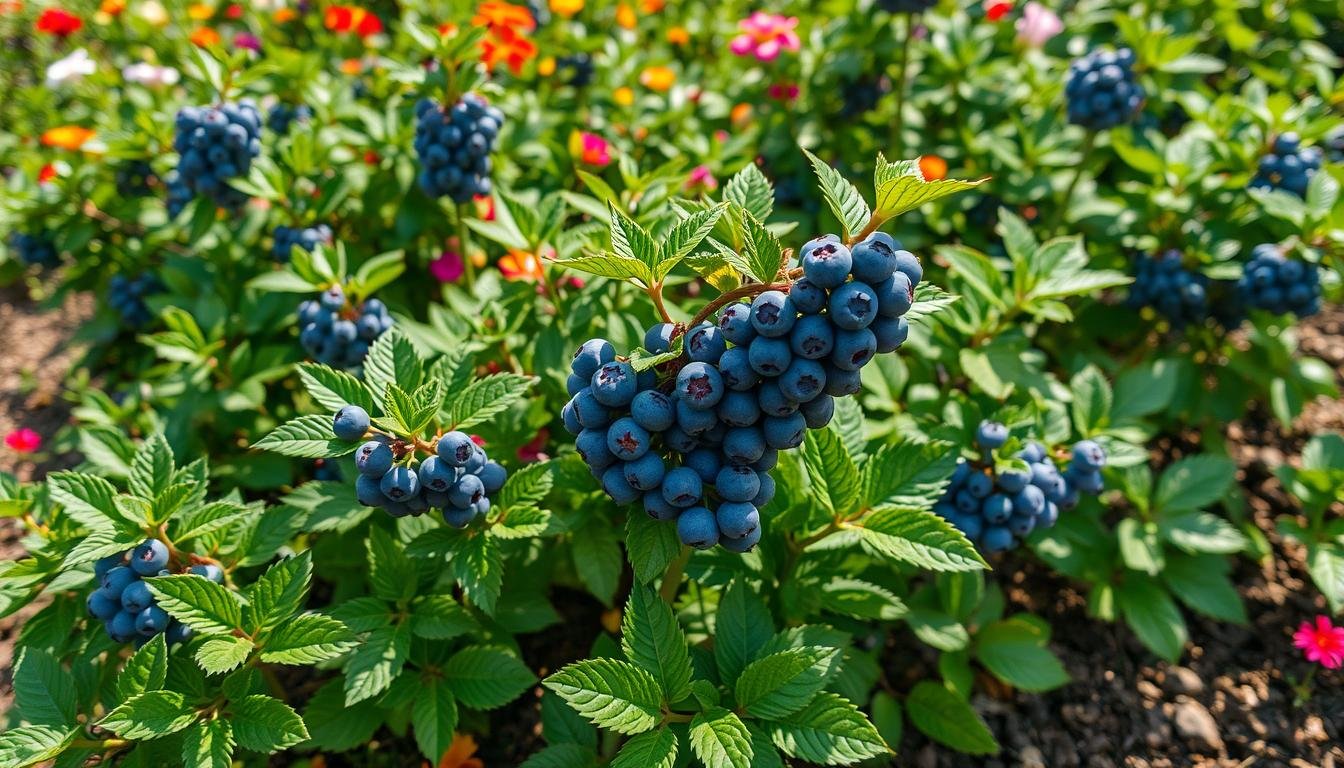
(54, 21)
(47, 173)
(23, 440)
(533, 450)
(1323, 643)
(349, 18)
(477, 439)
(997, 9)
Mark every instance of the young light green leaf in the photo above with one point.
(306, 437)
(764, 253)
(146, 670)
(651, 638)
(948, 719)
(783, 683)
(828, 731)
(208, 745)
(719, 738)
(1092, 400)
(379, 271)
(484, 398)
(608, 265)
(920, 538)
(653, 749)
(685, 236)
(334, 389)
(152, 467)
(32, 744)
(842, 197)
(901, 187)
(1197, 532)
(831, 474)
(199, 603)
(86, 498)
(615, 695)
(751, 191)
(223, 653)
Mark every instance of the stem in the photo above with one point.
(99, 743)
(672, 579)
(874, 223)
(897, 124)
(752, 289)
(656, 293)
(465, 245)
(1058, 218)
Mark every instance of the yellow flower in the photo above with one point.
(678, 36)
(283, 15)
(623, 96)
(658, 78)
(546, 67)
(70, 137)
(200, 12)
(741, 114)
(566, 8)
(625, 16)
(204, 37)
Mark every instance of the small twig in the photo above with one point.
(752, 289)
(656, 294)
(672, 578)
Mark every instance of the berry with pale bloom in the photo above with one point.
(766, 35)
(1037, 25)
(23, 440)
(71, 69)
(1322, 643)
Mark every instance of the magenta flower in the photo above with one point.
(766, 35)
(448, 268)
(783, 91)
(1037, 25)
(594, 149)
(248, 41)
(701, 180)
(1323, 643)
(23, 440)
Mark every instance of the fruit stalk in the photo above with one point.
(1058, 219)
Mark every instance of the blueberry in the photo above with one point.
(617, 487)
(368, 491)
(466, 491)
(1044, 475)
(122, 626)
(767, 492)
(458, 517)
(456, 448)
(737, 483)
(614, 384)
(744, 445)
(151, 621)
(735, 323)
(101, 606)
(773, 401)
(208, 571)
(658, 507)
(657, 340)
(737, 519)
(590, 356)
(704, 462)
(895, 295)
(677, 440)
(890, 333)
(697, 528)
(1013, 480)
(1029, 501)
(400, 483)
(818, 411)
(178, 632)
(653, 410)
(705, 343)
(841, 382)
(803, 380)
(1032, 453)
(813, 337)
(853, 306)
(693, 421)
(1087, 454)
(769, 357)
(700, 386)
(1048, 516)
(1087, 481)
(853, 349)
(574, 384)
(682, 487)
(150, 557)
(827, 263)
(996, 538)
(744, 544)
(373, 459)
(991, 435)
(627, 440)
(570, 418)
(739, 409)
(592, 447)
(996, 508)
(875, 258)
(103, 565)
(972, 525)
(808, 297)
(784, 432)
(590, 413)
(645, 473)
(736, 371)
(493, 476)
(768, 461)
(436, 475)
(1021, 525)
(979, 485)
(773, 314)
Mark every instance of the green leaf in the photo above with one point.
(832, 477)
(267, 725)
(433, 718)
(843, 198)
(720, 739)
(42, 690)
(742, 627)
(478, 566)
(611, 694)
(654, 749)
(152, 467)
(751, 191)
(901, 187)
(439, 617)
(631, 241)
(528, 485)
(32, 744)
(764, 253)
(1083, 283)
(861, 599)
(86, 498)
(208, 745)
(222, 653)
(685, 236)
(920, 538)
(651, 638)
(150, 715)
(146, 670)
(334, 389)
(484, 398)
(1015, 652)
(828, 731)
(783, 683)
(1325, 563)
(199, 603)
(307, 639)
(597, 559)
(306, 437)
(1201, 582)
(1139, 547)
(391, 573)
(562, 756)
(948, 719)
(615, 267)
(1152, 614)
(483, 677)
(279, 593)
(1091, 400)
(1194, 482)
(393, 359)
(1197, 532)
(379, 271)
(337, 726)
(650, 545)
(376, 662)
(908, 474)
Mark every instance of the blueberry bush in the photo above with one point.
(690, 383)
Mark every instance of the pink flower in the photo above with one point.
(535, 448)
(594, 149)
(248, 41)
(1323, 643)
(766, 35)
(1037, 25)
(701, 180)
(23, 440)
(448, 268)
(783, 91)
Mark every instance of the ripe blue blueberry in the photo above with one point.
(456, 448)
(970, 524)
(136, 597)
(784, 432)
(659, 508)
(1013, 480)
(574, 384)
(373, 459)
(699, 386)
(208, 571)
(996, 509)
(980, 485)
(739, 409)
(459, 518)
(743, 445)
(103, 565)
(1032, 453)
(827, 263)
(735, 323)
(991, 434)
(737, 482)
(178, 632)
(399, 484)
(657, 339)
(592, 447)
(627, 440)
(151, 621)
(705, 343)
(436, 475)
(875, 258)
(590, 413)
(693, 421)
(590, 356)
(773, 401)
(768, 460)
(676, 439)
(682, 487)
(615, 384)
(803, 380)
(808, 297)
(812, 337)
(1029, 501)
(744, 544)
(368, 491)
(653, 410)
(908, 264)
(493, 476)
(697, 528)
(853, 306)
(773, 314)
(1021, 525)
(767, 492)
(122, 626)
(570, 418)
(843, 381)
(617, 487)
(890, 333)
(895, 295)
(996, 538)
(1087, 481)
(101, 606)
(736, 371)
(150, 557)
(466, 491)
(737, 519)
(818, 411)
(1087, 454)
(853, 349)
(645, 473)
(769, 357)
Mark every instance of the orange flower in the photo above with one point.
(204, 37)
(350, 18)
(70, 137)
(200, 12)
(521, 265)
(461, 753)
(112, 7)
(623, 96)
(625, 16)
(11, 6)
(741, 114)
(657, 78)
(509, 47)
(933, 167)
(352, 66)
(54, 21)
(546, 67)
(447, 29)
(493, 13)
(566, 8)
(678, 36)
(652, 6)
(283, 15)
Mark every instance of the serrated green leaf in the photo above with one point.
(719, 738)
(650, 545)
(152, 467)
(948, 719)
(150, 715)
(782, 683)
(652, 638)
(334, 389)
(828, 731)
(631, 241)
(439, 617)
(32, 744)
(1152, 614)
(278, 593)
(612, 694)
(376, 662)
(146, 670)
(763, 251)
(751, 191)
(42, 690)
(1193, 483)
(393, 359)
(306, 437)
(266, 725)
(842, 197)
(608, 265)
(920, 538)
(199, 603)
(310, 638)
(222, 653)
(654, 749)
(484, 398)
(743, 626)
(901, 187)
(484, 677)
(86, 498)
(832, 477)
(208, 745)
(908, 473)
(434, 718)
(478, 566)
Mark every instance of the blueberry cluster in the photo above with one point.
(454, 147)
(1102, 91)
(1279, 284)
(906, 6)
(127, 297)
(997, 509)
(307, 238)
(698, 445)
(458, 479)
(1184, 296)
(281, 116)
(578, 69)
(1334, 145)
(134, 179)
(861, 94)
(34, 250)
(123, 601)
(1289, 166)
(217, 144)
(179, 194)
(338, 334)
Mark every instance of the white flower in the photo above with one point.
(153, 12)
(71, 69)
(147, 74)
